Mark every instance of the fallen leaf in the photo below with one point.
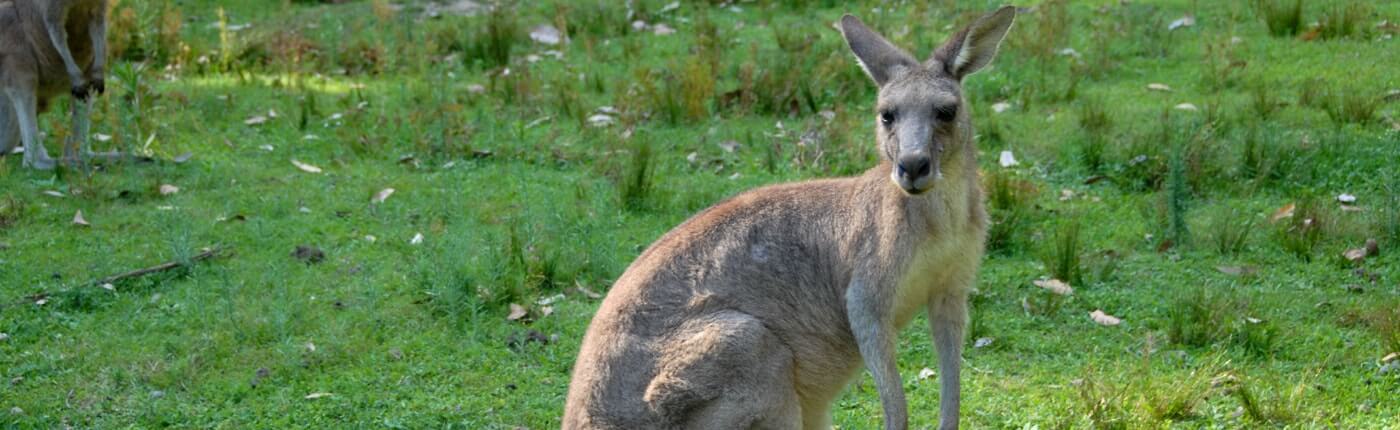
(729, 146)
(546, 34)
(1000, 107)
(78, 219)
(1390, 357)
(1346, 199)
(926, 373)
(370, 238)
(662, 30)
(1104, 319)
(1284, 212)
(476, 89)
(1186, 107)
(1055, 286)
(314, 396)
(255, 120)
(1158, 87)
(108, 286)
(1185, 21)
(395, 353)
(550, 300)
(516, 312)
(417, 239)
(601, 120)
(546, 311)
(1066, 194)
(167, 189)
(1355, 255)
(306, 167)
(310, 347)
(670, 7)
(380, 196)
(102, 137)
(267, 148)
(53, 193)
(983, 342)
(586, 292)
(1007, 159)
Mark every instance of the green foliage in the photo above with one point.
(1282, 17)
(1062, 253)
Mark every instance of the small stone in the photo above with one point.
(157, 394)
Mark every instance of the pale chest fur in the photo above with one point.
(944, 262)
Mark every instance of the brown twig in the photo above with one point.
(208, 252)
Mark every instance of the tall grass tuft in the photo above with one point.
(11, 210)
(1343, 19)
(1203, 317)
(1283, 17)
(1301, 233)
(1010, 200)
(1230, 230)
(637, 183)
(491, 45)
(1351, 106)
(1062, 255)
(1097, 126)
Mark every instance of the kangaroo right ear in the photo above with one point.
(880, 59)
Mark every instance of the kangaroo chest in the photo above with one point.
(944, 262)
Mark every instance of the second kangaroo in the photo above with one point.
(759, 310)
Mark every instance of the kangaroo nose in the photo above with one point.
(914, 166)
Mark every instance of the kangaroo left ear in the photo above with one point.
(973, 48)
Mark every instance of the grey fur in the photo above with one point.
(49, 47)
(758, 311)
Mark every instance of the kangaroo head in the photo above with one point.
(920, 115)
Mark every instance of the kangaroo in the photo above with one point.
(41, 43)
(758, 311)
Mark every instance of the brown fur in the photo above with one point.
(35, 37)
(759, 310)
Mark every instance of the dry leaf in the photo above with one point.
(108, 286)
(78, 219)
(1390, 357)
(926, 373)
(983, 342)
(380, 196)
(314, 396)
(1104, 319)
(546, 34)
(1185, 21)
(53, 193)
(662, 30)
(167, 189)
(1355, 255)
(1066, 194)
(1187, 107)
(255, 120)
(1158, 87)
(306, 167)
(546, 311)
(1284, 212)
(1007, 159)
(1346, 199)
(417, 239)
(516, 312)
(1055, 286)
(182, 158)
(729, 146)
(585, 291)
(310, 347)
(1000, 107)
(601, 120)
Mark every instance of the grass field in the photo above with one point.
(531, 174)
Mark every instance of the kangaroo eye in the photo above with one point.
(887, 117)
(947, 113)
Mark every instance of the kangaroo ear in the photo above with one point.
(880, 59)
(973, 48)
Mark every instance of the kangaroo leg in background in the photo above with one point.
(53, 24)
(22, 100)
(9, 126)
(96, 73)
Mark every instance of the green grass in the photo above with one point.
(521, 200)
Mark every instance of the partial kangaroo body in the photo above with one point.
(757, 312)
(48, 48)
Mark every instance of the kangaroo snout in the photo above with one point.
(915, 172)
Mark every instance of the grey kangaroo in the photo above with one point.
(757, 312)
(48, 47)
